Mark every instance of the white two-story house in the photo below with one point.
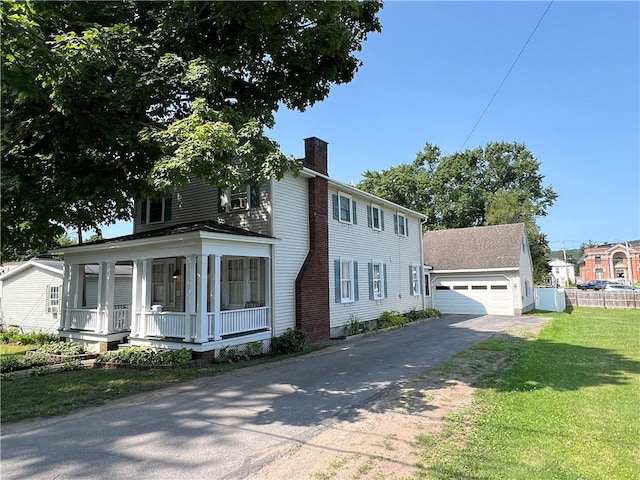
(214, 268)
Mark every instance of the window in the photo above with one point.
(598, 260)
(599, 274)
(401, 225)
(618, 259)
(414, 278)
(344, 208)
(377, 281)
(375, 217)
(238, 199)
(52, 298)
(154, 210)
(346, 280)
(243, 282)
(163, 285)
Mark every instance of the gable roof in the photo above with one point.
(50, 265)
(474, 248)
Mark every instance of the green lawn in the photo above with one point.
(567, 407)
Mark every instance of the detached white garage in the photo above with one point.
(480, 270)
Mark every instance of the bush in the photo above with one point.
(229, 354)
(391, 319)
(415, 315)
(9, 363)
(72, 365)
(62, 348)
(32, 338)
(145, 356)
(291, 341)
(38, 359)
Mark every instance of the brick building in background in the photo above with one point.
(614, 262)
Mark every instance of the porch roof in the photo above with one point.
(207, 227)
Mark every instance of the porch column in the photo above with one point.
(136, 295)
(215, 291)
(66, 269)
(190, 287)
(106, 292)
(73, 298)
(201, 333)
(145, 295)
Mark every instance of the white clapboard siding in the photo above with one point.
(364, 245)
(24, 300)
(291, 226)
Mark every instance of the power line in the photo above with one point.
(506, 76)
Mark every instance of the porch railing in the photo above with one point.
(165, 324)
(120, 318)
(244, 320)
(83, 319)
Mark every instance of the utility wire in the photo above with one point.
(506, 76)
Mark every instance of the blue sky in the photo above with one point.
(573, 98)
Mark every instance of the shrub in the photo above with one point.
(9, 363)
(71, 365)
(391, 319)
(291, 341)
(38, 359)
(62, 348)
(39, 371)
(255, 349)
(33, 338)
(229, 354)
(145, 356)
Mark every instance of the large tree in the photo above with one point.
(495, 184)
(103, 102)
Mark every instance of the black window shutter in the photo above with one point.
(355, 281)
(254, 194)
(369, 218)
(167, 209)
(353, 207)
(381, 219)
(395, 223)
(336, 212)
(336, 267)
(143, 209)
(384, 275)
(410, 280)
(406, 226)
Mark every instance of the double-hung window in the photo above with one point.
(377, 281)
(239, 199)
(346, 280)
(414, 280)
(344, 208)
(155, 210)
(375, 218)
(52, 298)
(401, 225)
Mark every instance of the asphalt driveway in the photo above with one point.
(220, 427)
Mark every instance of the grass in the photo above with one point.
(18, 350)
(23, 398)
(566, 407)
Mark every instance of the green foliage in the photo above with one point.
(391, 319)
(255, 349)
(103, 102)
(71, 365)
(33, 338)
(39, 371)
(145, 356)
(291, 341)
(9, 363)
(414, 315)
(38, 359)
(228, 354)
(491, 185)
(355, 326)
(62, 348)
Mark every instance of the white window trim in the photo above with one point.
(375, 207)
(347, 196)
(351, 298)
(401, 218)
(246, 198)
(53, 304)
(415, 280)
(162, 214)
(380, 295)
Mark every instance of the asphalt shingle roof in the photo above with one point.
(494, 246)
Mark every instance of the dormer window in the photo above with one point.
(154, 210)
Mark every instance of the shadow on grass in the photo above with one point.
(560, 366)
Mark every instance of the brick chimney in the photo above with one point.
(312, 283)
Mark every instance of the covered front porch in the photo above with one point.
(198, 289)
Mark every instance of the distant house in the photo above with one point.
(31, 293)
(480, 270)
(562, 273)
(614, 262)
(215, 267)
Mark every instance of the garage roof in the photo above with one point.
(475, 248)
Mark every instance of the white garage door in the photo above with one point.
(486, 296)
